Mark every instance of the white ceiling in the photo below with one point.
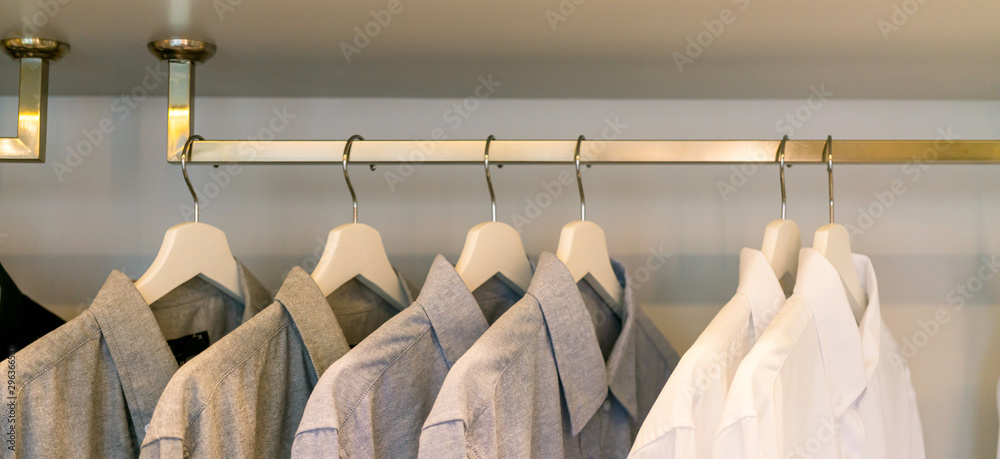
(615, 49)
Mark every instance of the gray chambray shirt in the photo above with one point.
(373, 401)
(245, 395)
(88, 388)
(536, 383)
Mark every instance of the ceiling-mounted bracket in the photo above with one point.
(181, 55)
(33, 96)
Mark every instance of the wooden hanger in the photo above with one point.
(782, 239)
(584, 250)
(494, 249)
(834, 243)
(356, 250)
(189, 250)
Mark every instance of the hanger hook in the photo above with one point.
(781, 166)
(579, 179)
(347, 178)
(185, 157)
(489, 181)
(828, 155)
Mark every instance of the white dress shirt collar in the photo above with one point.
(761, 288)
(819, 283)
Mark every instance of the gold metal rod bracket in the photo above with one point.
(34, 55)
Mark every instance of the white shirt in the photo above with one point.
(818, 385)
(685, 418)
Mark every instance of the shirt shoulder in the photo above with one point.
(471, 385)
(703, 371)
(77, 343)
(344, 386)
(196, 384)
(752, 391)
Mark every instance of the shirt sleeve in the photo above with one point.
(443, 441)
(316, 443)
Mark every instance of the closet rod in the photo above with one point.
(183, 54)
(592, 151)
(34, 55)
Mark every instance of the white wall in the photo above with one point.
(63, 233)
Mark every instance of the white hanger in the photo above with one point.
(584, 250)
(494, 249)
(835, 244)
(189, 250)
(782, 239)
(356, 250)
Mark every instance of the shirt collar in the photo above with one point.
(871, 321)
(256, 296)
(578, 358)
(760, 286)
(138, 349)
(839, 339)
(314, 318)
(452, 310)
(137, 346)
(621, 361)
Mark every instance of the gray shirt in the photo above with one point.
(372, 402)
(88, 388)
(245, 395)
(536, 383)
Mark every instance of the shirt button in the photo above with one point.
(606, 405)
(838, 401)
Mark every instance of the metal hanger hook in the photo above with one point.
(579, 179)
(185, 157)
(828, 155)
(347, 177)
(489, 181)
(781, 166)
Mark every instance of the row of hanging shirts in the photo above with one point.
(583, 367)
(193, 265)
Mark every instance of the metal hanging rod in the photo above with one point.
(183, 54)
(34, 55)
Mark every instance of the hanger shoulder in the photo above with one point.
(189, 250)
(356, 250)
(834, 243)
(584, 250)
(782, 242)
(494, 248)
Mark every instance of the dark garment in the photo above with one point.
(21, 319)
